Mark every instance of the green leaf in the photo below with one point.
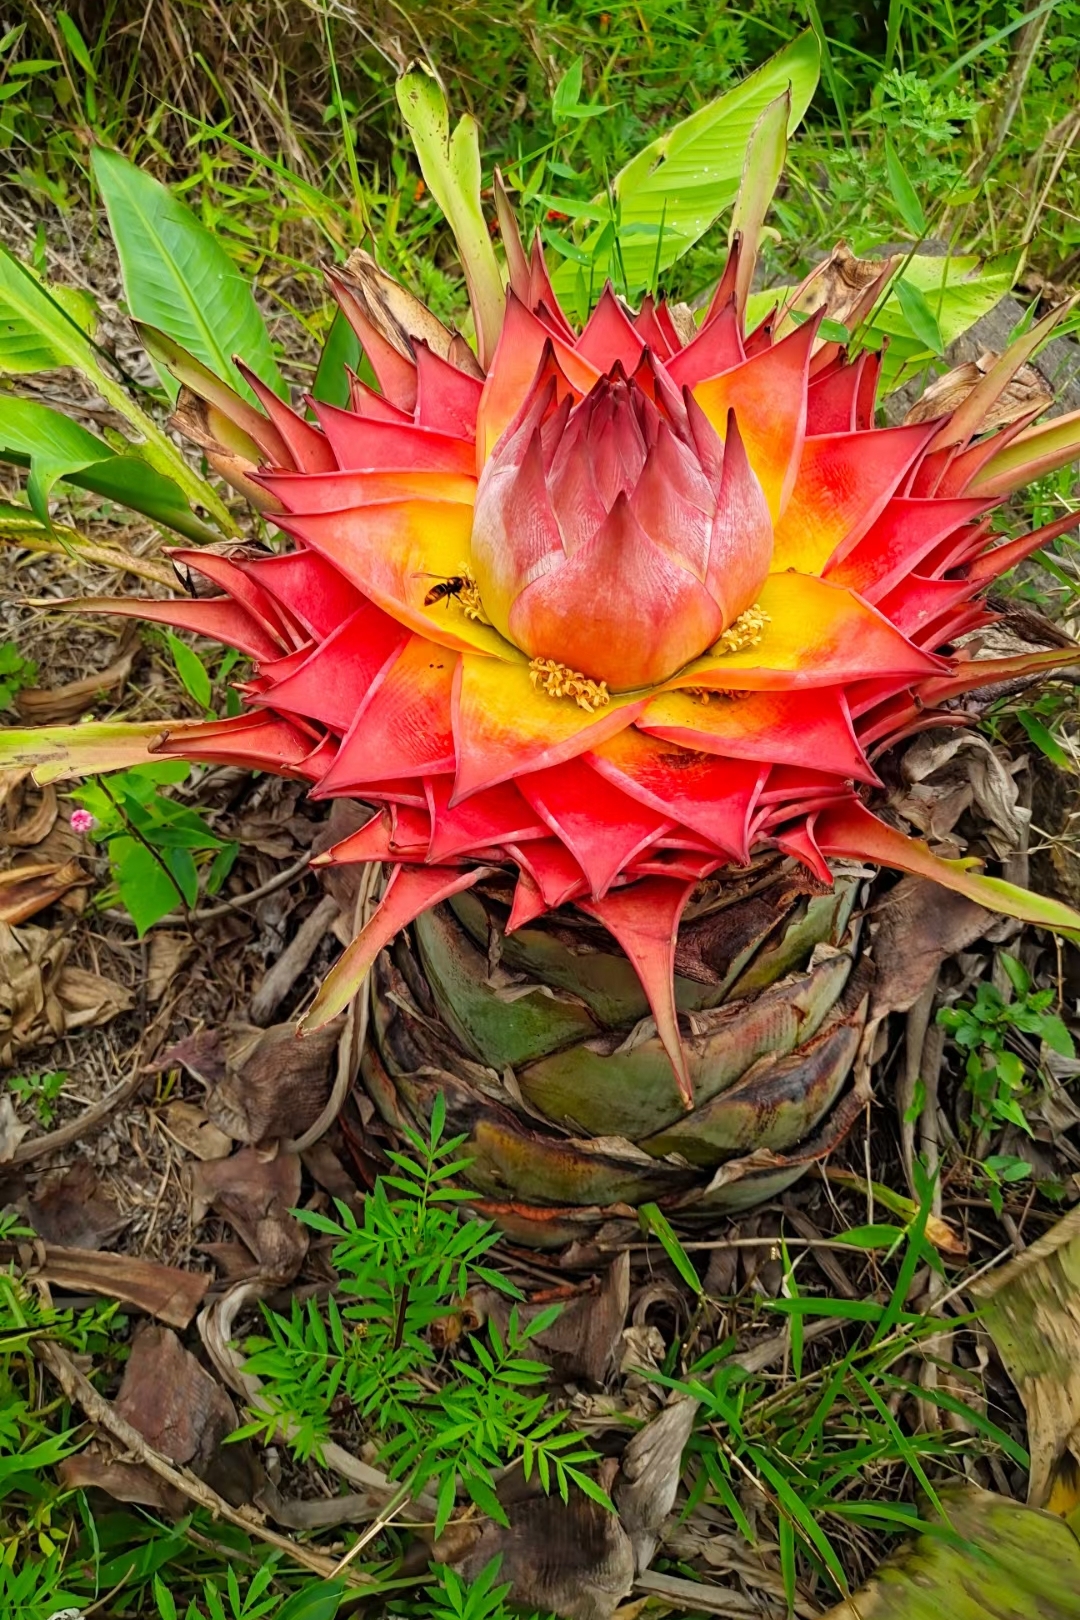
(76, 44)
(1056, 1035)
(146, 889)
(1044, 740)
(762, 169)
(904, 195)
(164, 1599)
(177, 276)
(450, 164)
(191, 670)
(25, 347)
(38, 333)
(871, 1237)
(564, 103)
(690, 174)
(60, 753)
(55, 447)
(919, 316)
(959, 291)
(319, 1600)
(341, 349)
(655, 1221)
(989, 1556)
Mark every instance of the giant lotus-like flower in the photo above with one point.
(639, 600)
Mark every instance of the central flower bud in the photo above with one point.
(616, 534)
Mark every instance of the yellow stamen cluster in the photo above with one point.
(558, 682)
(705, 693)
(745, 633)
(469, 597)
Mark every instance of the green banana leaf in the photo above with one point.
(674, 189)
(41, 330)
(177, 276)
(998, 1560)
(54, 447)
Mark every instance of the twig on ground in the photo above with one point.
(291, 963)
(100, 1411)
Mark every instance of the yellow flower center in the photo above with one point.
(559, 681)
(746, 632)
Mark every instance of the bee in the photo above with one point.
(445, 589)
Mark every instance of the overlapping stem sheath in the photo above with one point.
(612, 616)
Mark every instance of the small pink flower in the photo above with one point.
(82, 821)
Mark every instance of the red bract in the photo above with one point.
(643, 599)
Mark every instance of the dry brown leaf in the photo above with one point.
(72, 1210)
(234, 1261)
(201, 1054)
(28, 811)
(583, 1340)
(398, 314)
(184, 1415)
(573, 1558)
(842, 285)
(175, 1405)
(915, 928)
(327, 1171)
(1027, 392)
(196, 419)
(1031, 1309)
(255, 1194)
(26, 890)
(41, 997)
(648, 1478)
(959, 769)
(166, 1292)
(94, 1469)
(167, 955)
(276, 1086)
(59, 705)
(190, 1129)
(12, 1130)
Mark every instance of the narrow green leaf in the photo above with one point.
(903, 192)
(61, 753)
(341, 350)
(762, 168)
(191, 670)
(871, 1237)
(76, 44)
(654, 1221)
(1044, 740)
(55, 447)
(919, 316)
(317, 1601)
(177, 276)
